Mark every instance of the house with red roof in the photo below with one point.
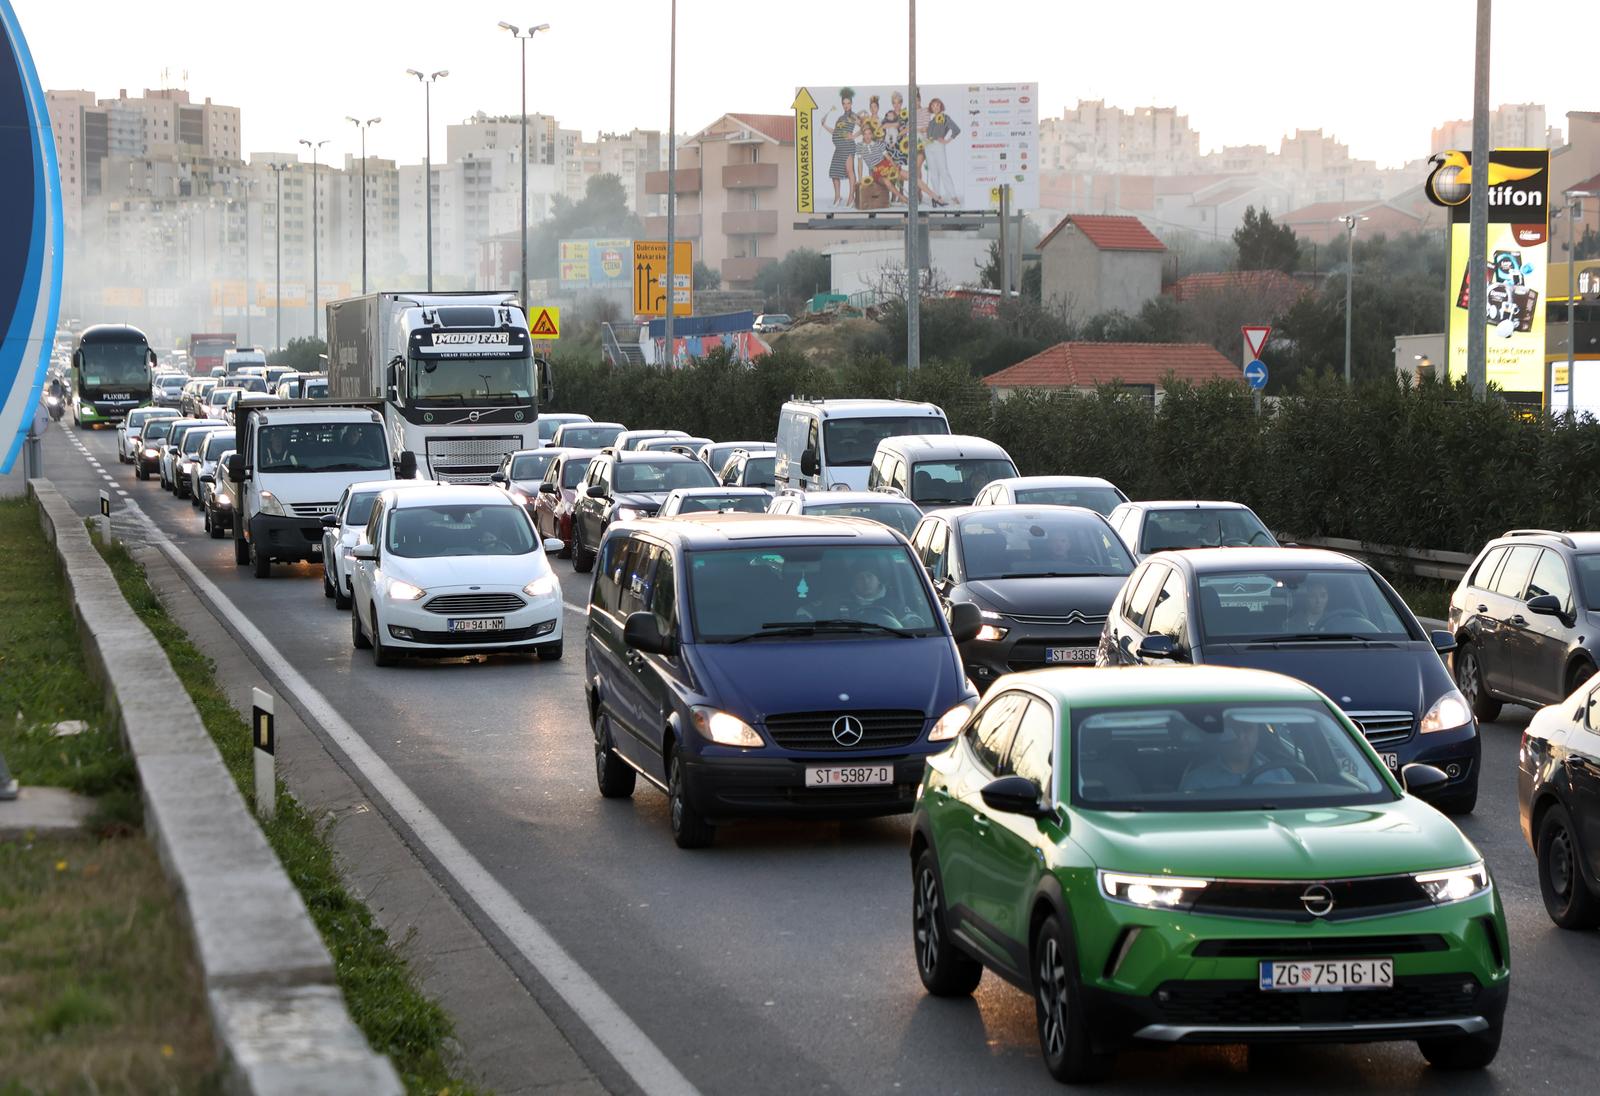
(1139, 367)
(1092, 264)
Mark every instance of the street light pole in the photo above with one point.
(248, 339)
(277, 260)
(672, 184)
(913, 259)
(522, 220)
(363, 127)
(1574, 212)
(427, 158)
(316, 234)
(1349, 221)
(1478, 215)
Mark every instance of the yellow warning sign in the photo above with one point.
(546, 323)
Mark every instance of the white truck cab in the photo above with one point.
(828, 445)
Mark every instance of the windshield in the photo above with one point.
(955, 482)
(459, 530)
(156, 429)
(140, 415)
(216, 445)
(1053, 543)
(322, 447)
(360, 508)
(314, 390)
(659, 477)
(758, 472)
(1279, 604)
(901, 516)
(738, 504)
(472, 380)
(808, 591)
(171, 384)
(851, 443)
(1219, 757)
(1196, 528)
(192, 441)
(589, 437)
(249, 382)
(1102, 500)
(531, 466)
(115, 365)
(549, 426)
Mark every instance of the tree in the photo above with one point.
(1265, 245)
(602, 211)
(1588, 245)
(789, 283)
(989, 272)
(302, 355)
(705, 277)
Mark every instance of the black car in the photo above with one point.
(1042, 576)
(520, 473)
(1322, 617)
(1525, 618)
(1558, 796)
(623, 485)
(147, 458)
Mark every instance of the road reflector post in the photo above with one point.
(105, 516)
(264, 748)
(8, 784)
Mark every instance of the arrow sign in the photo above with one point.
(1255, 337)
(1256, 374)
(805, 173)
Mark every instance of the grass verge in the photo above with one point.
(398, 1019)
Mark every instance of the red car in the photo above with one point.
(552, 507)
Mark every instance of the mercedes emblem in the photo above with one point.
(847, 731)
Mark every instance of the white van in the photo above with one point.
(934, 471)
(828, 445)
(245, 360)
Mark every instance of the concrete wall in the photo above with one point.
(1083, 280)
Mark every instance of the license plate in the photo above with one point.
(848, 776)
(476, 624)
(1329, 975)
(1392, 760)
(1054, 656)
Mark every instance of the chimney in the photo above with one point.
(122, 93)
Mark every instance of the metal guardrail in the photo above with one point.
(1426, 562)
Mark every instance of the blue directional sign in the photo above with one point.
(1256, 374)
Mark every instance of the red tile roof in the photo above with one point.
(1110, 233)
(780, 127)
(1275, 286)
(1086, 364)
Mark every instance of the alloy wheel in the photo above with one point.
(1053, 997)
(1561, 869)
(927, 920)
(1469, 676)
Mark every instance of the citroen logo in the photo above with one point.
(847, 730)
(1318, 900)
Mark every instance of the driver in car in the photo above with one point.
(1236, 759)
(1311, 607)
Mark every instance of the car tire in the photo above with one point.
(1580, 672)
(1461, 802)
(614, 777)
(382, 653)
(1058, 1008)
(1469, 678)
(260, 562)
(341, 600)
(139, 472)
(582, 558)
(549, 652)
(213, 526)
(241, 551)
(328, 590)
(358, 635)
(1567, 897)
(945, 969)
(1462, 1051)
(689, 829)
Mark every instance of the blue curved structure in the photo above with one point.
(30, 238)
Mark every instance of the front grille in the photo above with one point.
(469, 604)
(1280, 900)
(472, 639)
(1384, 728)
(312, 509)
(1239, 1003)
(469, 459)
(1073, 617)
(1324, 947)
(814, 730)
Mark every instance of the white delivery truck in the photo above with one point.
(828, 445)
(455, 371)
(292, 461)
(244, 359)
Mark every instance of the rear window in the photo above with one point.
(1102, 500)
(955, 482)
(1193, 527)
(900, 516)
(530, 466)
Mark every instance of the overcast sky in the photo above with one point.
(1379, 74)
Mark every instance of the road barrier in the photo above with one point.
(1425, 562)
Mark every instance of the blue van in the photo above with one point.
(749, 664)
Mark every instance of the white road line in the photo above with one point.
(643, 1061)
(582, 610)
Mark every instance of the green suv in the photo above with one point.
(1200, 855)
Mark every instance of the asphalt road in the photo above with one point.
(780, 960)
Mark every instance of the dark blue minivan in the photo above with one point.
(751, 664)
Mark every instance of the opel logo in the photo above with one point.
(1318, 900)
(847, 730)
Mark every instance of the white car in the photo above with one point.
(715, 500)
(342, 528)
(452, 571)
(1100, 495)
(131, 428)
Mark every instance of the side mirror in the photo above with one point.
(236, 468)
(1443, 642)
(642, 634)
(367, 552)
(499, 477)
(330, 521)
(554, 544)
(1545, 605)
(965, 620)
(809, 464)
(1015, 795)
(548, 488)
(408, 465)
(598, 491)
(208, 478)
(1159, 648)
(1423, 781)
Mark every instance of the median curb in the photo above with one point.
(279, 1019)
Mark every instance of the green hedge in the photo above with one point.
(1426, 466)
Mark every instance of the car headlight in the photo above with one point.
(722, 728)
(518, 497)
(404, 591)
(951, 722)
(151, 454)
(1448, 712)
(1454, 884)
(1159, 892)
(543, 586)
(990, 634)
(271, 505)
(221, 500)
(629, 513)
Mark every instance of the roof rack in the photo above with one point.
(1562, 537)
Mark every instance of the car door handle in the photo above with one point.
(1518, 621)
(1483, 608)
(980, 820)
(635, 659)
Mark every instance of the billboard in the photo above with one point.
(594, 264)
(853, 148)
(1518, 262)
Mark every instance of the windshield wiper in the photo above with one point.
(936, 499)
(816, 627)
(1318, 637)
(1058, 574)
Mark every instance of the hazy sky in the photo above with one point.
(1379, 74)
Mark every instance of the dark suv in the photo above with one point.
(622, 485)
(734, 662)
(1524, 618)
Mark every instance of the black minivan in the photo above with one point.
(750, 665)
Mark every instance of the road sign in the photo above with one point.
(805, 175)
(1255, 337)
(1256, 374)
(545, 323)
(650, 278)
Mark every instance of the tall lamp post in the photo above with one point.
(277, 261)
(1349, 221)
(363, 127)
(316, 233)
(427, 80)
(668, 323)
(522, 220)
(1574, 214)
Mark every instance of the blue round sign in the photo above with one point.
(1256, 374)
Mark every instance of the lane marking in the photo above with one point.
(650, 1069)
